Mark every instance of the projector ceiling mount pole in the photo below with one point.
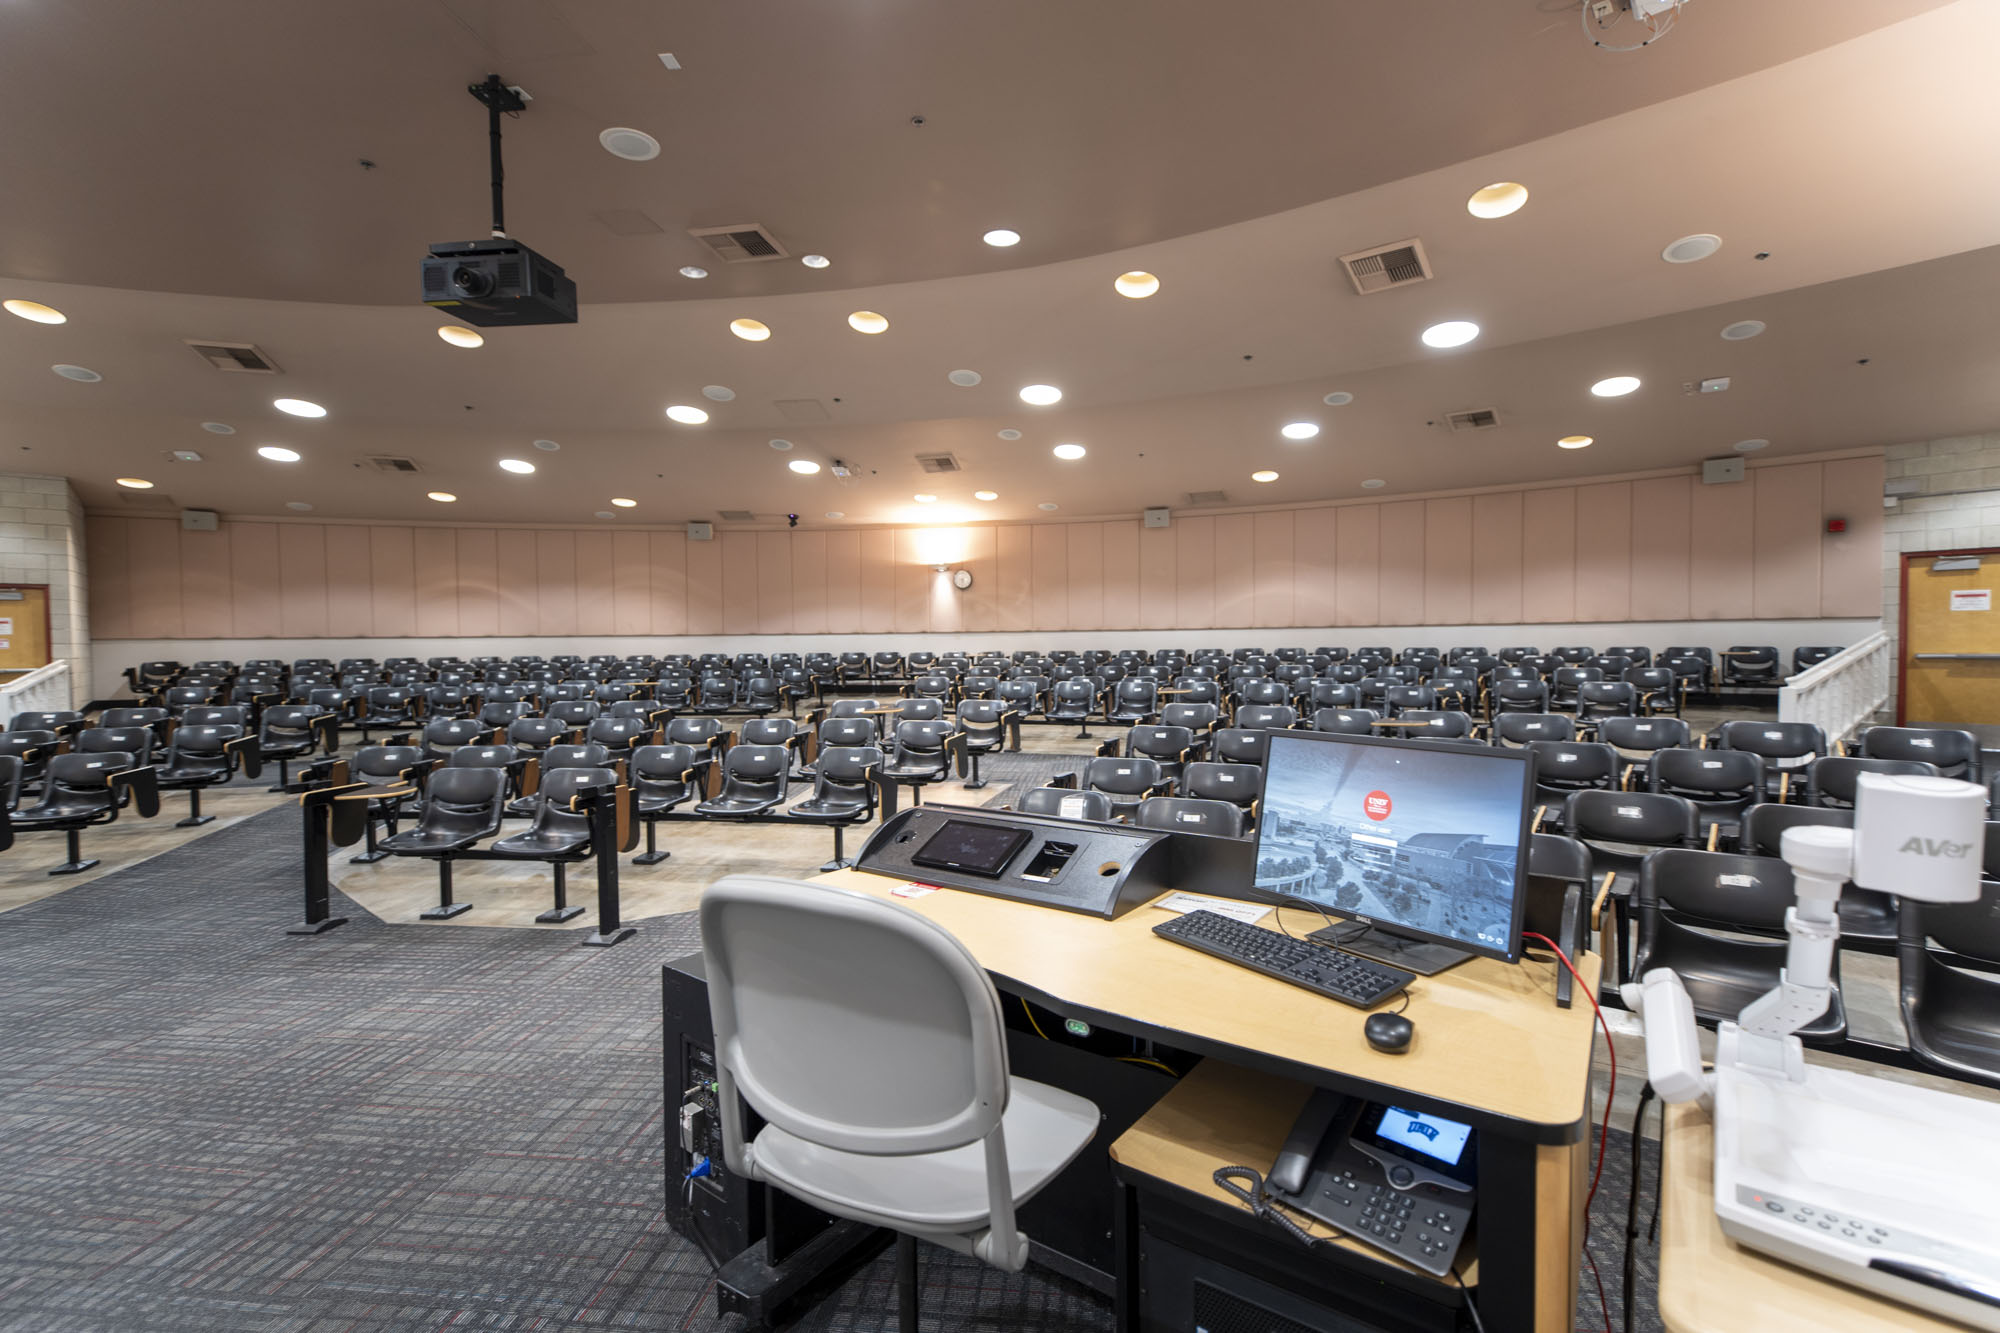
(497, 97)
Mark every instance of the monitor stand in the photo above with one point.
(1383, 945)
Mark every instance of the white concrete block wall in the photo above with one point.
(41, 541)
(1957, 505)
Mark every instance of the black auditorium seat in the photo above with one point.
(79, 790)
(463, 806)
(561, 833)
(843, 793)
(754, 781)
(1066, 803)
(1186, 814)
(201, 755)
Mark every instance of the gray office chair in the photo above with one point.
(870, 1040)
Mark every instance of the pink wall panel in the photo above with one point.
(1448, 561)
(739, 581)
(1121, 575)
(1086, 575)
(704, 586)
(1496, 558)
(878, 581)
(1660, 548)
(946, 603)
(1235, 569)
(1274, 558)
(1356, 550)
(843, 582)
(1159, 578)
(1786, 547)
(1014, 584)
(1604, 551)
(596, 583)
(435, 552)
(301, 580)
(774, 583)
(555, 574)
(253, 559)
(394, 580)
(350, 582)
(667, 557)
(517, 583)
(478, 581)
(809, 582)
(1719, 545)
(1049, 562)
(1401, 568)
(155, 554)
(1314, 603)
(982, 560)
(207, 583)
(108, 563)
(1194, 572)
(913, 582)
(1548, 555)
(631, 583)
(1850, 562)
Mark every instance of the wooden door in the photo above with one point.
(1951, 641)
(24, 627)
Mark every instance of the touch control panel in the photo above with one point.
(1103, 869)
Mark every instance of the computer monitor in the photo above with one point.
(1421, 844)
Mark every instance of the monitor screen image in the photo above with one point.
(1422, 839)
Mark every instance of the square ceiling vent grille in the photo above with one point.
(746, 243)
(734, 515)
(938, 463)
(239, 358)
(1198, 498)
(1401, 264)
(1484, 418)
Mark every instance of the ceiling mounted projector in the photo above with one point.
(498, 282)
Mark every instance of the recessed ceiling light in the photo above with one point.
(81, 374)
(835, 513)
(460, 336)
(719, 393)
(547, 446)
(135, 483)
(750, 330)
(521, 465)
(1300, 430)
(299, 505)
(1010, 434)
(1617, 386)
(1049, 505)
(1749, 446)
(1373, 484)
(277, 453)
(35, 311)
(781, 445)
(1041, 395)
(687, 416)
(444, 497)
(986, 495)
(1072, 452)
(925, 499)
(1451, 333)
(632, 145)
(964, 379)
(805, 467)
(693, 271)
(298, 407)
(814, 261)
(1574, 442)
(867, 321)
(1339, 398)
(624, 503)
(1000, 236)
(1743, 328)
(1690, 248)
(1137, 284)
(1264, 475)
(1497, 201)
(218, 427)
(604, 513)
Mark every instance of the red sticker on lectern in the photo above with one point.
(1376, 805)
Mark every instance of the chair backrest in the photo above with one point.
(1125, 776)
(1568, 765)
(559, 788)
(1762, 832)
(1345, 721)
(1241, 745)
(383, 765)
(1644, 818)
(1706, 773)
(464, 800)
(1602, 697)
(1066, 803)
(1520, 696)
(1773, 740)
(590, 754)
(769, 731)
(844, 770)
(1831, 781)
(1750, 892)
(695, 731)
(482, 756)
(1804, 658)
(1185, 814)
(1954, 753)
(1264, 692)
(1448, 725)
(1165, 743)
(921, 710)
(227, 715)
(1267, 717)
(1237, 784)
(201, 746)
(1644, 733)
(537, 733)
(921, 738)
(852, 707)
(137, 741)
(1521, 728)
(846, 731)
(618, 734)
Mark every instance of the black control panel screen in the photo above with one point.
(972, 848)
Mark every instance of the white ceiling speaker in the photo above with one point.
(781, 445)
(1339, 398)
(632, 145)
(81, 374)
(218, 428)
(1010, 434)
(547, 446)
(1743, 328)
(718, 393)
(964, 379)
(1688, 249)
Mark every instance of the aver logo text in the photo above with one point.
(1935, 847)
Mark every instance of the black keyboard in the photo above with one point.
(1324, 971)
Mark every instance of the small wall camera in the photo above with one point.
(792, 520)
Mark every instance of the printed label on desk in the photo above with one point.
(1201, 902)
(913, 890)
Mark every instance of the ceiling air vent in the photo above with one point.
(386, 463)
(239, 357)
(1387, 266)
(801, 409)
(938, 463)
(1483, 419)
(744, 244)
(734, 515)
(1207, 498)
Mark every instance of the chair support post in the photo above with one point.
(76, 865)
(446, 908)
(906, 1283)
(652, 855)
(195, 817)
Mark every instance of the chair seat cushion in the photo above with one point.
(945, 1191)
(419, 842)
(663, 802)
(737, 805)
(55, 814)
(836, 810)
(540, 844)
(915, 772)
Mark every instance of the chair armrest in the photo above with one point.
(1107, 749)
(1714, 834)
(1784, 787)
(1597, 902)
(1067, 781)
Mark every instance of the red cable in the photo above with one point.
(1604, 1133)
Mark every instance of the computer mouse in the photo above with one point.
(1389, 1032)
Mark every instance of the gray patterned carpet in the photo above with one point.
(206, 1124)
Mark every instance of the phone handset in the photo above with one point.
(1322, 1113)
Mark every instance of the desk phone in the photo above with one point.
(1399, 1180)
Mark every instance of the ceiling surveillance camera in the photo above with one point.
(792, 520)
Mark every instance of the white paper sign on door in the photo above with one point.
(6, 624)
(1972, 599)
